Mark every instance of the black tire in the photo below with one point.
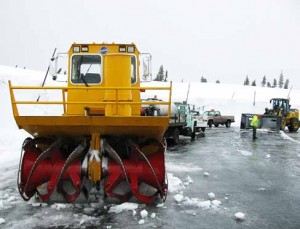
(282, 125)
(193, 136)
(175, 136)
(210, 122)
(294, 125)
(203, 129)
(228, 123)
(216, 125)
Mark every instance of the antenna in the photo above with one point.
(52, 58)
(288, 96)
(187, 95)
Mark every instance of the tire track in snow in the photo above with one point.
(285, 136)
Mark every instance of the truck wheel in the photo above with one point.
(282, 125)
(228, 123)
(203, 129)
(216, 125)
(294, 125)
(210, 122)
(193, 136)
(175, 135)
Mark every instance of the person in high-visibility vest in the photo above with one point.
(254, 123)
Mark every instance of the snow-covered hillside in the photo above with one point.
(229, 99)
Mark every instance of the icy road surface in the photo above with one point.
(213, 181)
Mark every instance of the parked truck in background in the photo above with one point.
(182, 121)
(215, 118)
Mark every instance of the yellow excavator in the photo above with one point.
(102, 140)
(281, 115)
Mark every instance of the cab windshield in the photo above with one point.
(86, 69)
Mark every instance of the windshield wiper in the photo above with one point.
(82, 77)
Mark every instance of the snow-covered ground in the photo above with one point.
(229, 99)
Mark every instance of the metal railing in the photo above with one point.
(65, 90)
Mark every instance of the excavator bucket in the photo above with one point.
(102, 139)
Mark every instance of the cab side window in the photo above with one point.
(133, 70)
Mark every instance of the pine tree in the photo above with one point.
(280, 81)
(269, 84)
(160, 75)
(203, 80)
(286, 84)
(166, 77)
(264, 81)
(246, 82)
(274, 83)
(253, 83)
(218, 81)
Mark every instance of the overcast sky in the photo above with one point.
(219, 40)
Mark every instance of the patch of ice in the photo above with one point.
(133, 212)
(211, 195)
(261, 189)
(216, 202)
(182, 167)
(2, 220)
(141, 221)
(178, 198)
(81, 222)
(226, 198)
(78, 206)
(175, 184)
(144, 213)
(96, 205)
(206, 174)
(197, 203)
(267, 156)
(5, 196)
(285, 136)
(153, 215)
(204, 204)
(11, 199)
(239, 216)
(161, 205)
(194, 214)
(108, 226)
(58, 206)
(245, 153)
(188, 181)
(123, 207)
(89, 210)
(35, 204)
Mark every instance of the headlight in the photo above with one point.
(76, 49)
(130, 49)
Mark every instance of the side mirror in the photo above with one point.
(53, 68)
(146, 68)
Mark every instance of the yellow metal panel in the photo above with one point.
(117, 73)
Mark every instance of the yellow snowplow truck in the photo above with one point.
(101, 140)
(277, 118)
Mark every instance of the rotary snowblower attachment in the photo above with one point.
(101, 140)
